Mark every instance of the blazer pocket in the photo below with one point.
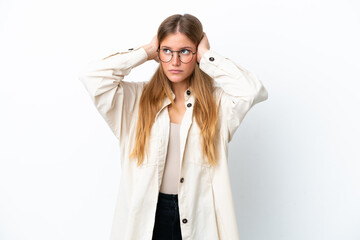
(194, 148)
(153, 156)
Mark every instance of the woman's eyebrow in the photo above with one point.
(171, 48)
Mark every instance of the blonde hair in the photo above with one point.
(205, 108)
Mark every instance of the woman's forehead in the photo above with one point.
(177, 40)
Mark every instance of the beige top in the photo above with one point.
(170, 179)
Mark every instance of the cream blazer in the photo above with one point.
(204, 193)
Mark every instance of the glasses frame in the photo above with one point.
(172, 55)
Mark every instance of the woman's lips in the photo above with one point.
(175, 71)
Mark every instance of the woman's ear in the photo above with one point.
(157, 59)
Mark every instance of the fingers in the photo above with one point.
(203, 46)
(151, 48)
(204, 42)
(155, 42)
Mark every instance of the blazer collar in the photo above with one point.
(189, 97)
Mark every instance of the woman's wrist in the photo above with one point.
(151, 48)
(201, 53)
(150, 51)
(203, 47)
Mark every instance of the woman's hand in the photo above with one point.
(203, 47)
(151, 49)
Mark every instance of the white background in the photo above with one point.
(294, 161)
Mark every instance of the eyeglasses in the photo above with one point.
(185, 55)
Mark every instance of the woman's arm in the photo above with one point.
(113, 97)
(241, 89)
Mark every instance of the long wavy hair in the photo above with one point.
(159, 87)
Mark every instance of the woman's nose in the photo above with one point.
(175, 61)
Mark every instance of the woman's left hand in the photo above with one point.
(203, 47)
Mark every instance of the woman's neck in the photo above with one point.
(179, 89)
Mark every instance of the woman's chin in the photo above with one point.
(176, 79)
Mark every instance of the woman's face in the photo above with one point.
(175, 70)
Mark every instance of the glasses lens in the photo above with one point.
(165, 55)
(186, 58)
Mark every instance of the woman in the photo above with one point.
(173, 133)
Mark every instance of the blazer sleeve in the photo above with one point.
(240, 88)
(114, 98)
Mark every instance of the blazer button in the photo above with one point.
(182, 180)
(189, 105)
(211, 59)
(188, 92)
(184, 220)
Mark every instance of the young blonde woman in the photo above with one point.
(173, 133)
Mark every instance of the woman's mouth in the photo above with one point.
(175, 71)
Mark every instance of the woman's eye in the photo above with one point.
(166, 51)
(185, 51)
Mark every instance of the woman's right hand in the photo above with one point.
(203, 47)
(151, 49)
